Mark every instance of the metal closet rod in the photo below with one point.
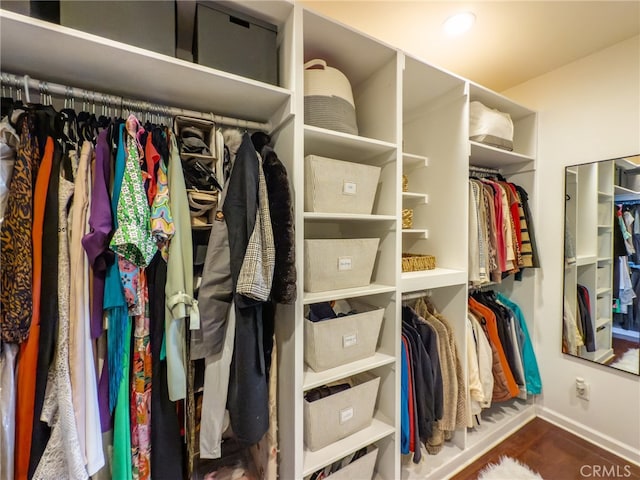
(473, 168)
(25, 82)
(415, 295)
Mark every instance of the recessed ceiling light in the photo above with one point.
(458, 24)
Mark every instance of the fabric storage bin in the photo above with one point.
(336, 341)
(149, 24)
(336, 186)
(337, 416)
(328, 99)
(235, 42)
(360, 469)
(206, 131)
(333, 264)
(490, 126)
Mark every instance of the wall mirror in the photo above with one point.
(601, 317)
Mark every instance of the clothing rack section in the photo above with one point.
(501, 235)
(501, 362)
(120, 283)
(24, 83)
(433, 396)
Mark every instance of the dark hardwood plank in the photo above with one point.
(556, 455)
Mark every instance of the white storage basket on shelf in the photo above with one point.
(360, 469)
(328, 99)
(337, 416)
(490, 126)
(336, 341)
(333, 264)
(336, 186)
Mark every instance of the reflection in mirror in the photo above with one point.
(601, 318)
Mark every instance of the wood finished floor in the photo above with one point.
(620, 346)
(556, 455)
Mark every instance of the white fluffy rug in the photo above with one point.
(629, 362)
(508, 469)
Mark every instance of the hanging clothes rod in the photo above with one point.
(25, 83)
(483, 287)
(473, 168)
(415, 295)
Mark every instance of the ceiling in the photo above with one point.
(511, 41)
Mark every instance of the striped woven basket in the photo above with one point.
(412, 262)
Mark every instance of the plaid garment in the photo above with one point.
(256, 273)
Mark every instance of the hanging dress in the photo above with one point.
(62, 457)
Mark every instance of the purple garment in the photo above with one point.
(96, 242)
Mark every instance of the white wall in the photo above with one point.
(588, 110)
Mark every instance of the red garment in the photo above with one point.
(28, 356)
(152, 158)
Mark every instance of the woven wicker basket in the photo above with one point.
(407, 218)
(414, 263)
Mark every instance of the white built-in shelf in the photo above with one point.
(602, 291)
(355, 217)
(604, 260)
(438, 277)
(344, 146)
(416, 232)
(602, 355)
(328, 295)
(116, 68)
(622, 193)
(582, 260)
(313, 461)
(605, 195)
(415, 198)
(411, 161)
(311, 379)
(487, 156)
(601, 321)
(571, 171)
(604, 227)
(620, 332)
(499, 419)
(450, 453)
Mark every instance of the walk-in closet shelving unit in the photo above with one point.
(372, 70)
(412, 119)
(517, 166)
(591, 185)
(435, 126)
(450, 113)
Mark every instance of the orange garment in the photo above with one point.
(28, 356)
(492, 329)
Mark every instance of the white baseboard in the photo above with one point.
(590, 435)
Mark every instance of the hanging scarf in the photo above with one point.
(115, 304)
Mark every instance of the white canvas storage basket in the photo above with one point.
(336, 186)
(490, 126)
(333, 342)
(337, 416)
(333, 264)
(361, 469)
(328, 99)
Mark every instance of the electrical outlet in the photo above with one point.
(582, 388)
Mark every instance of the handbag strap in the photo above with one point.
(316, 62)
